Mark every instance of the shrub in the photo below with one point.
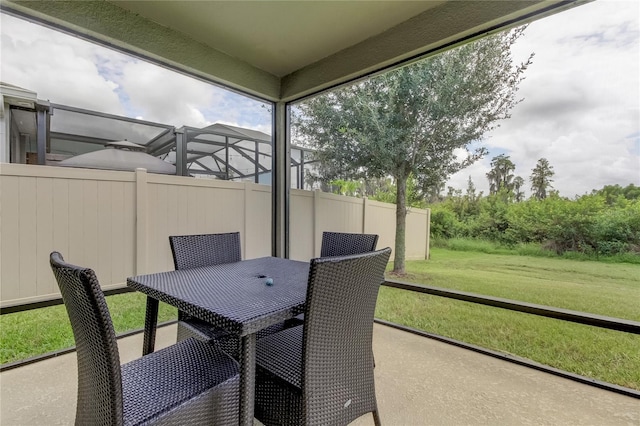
(444, 223)
(592, 224)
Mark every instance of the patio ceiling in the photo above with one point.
(283, 50)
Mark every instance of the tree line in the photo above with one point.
(603, 223)
(502, 179)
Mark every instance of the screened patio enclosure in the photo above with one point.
(60, 132)
(293, 49)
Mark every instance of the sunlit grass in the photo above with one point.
(527, 249)
(600, 288)
(594, 287)
(39, 331)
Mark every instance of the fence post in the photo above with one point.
(142, 221)
(426, 251)
(247, 202)
(365, 204)
(316, 219)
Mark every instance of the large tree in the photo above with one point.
(518, 185)
(501, 174)
(415, 120)
(540, 178)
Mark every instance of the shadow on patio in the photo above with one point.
(419, 381)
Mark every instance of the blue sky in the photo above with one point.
(580, 111)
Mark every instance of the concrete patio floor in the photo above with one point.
(419, 381)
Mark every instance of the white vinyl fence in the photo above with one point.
(118, 223)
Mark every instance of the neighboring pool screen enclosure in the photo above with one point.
(219, 151)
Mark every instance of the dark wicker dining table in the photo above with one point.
(241, 297)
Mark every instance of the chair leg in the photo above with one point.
(376, 418)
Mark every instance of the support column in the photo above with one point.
(256, 158)
(42, 111)
(280, 180)
(181, 152)
(301, 176)
(226, 158)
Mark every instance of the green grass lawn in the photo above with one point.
(39, 331)
(599, 288)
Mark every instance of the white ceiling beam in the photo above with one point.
(431, 31)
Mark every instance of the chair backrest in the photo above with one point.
(99, 375)
(345, 244)
(337, 379)
(194, 251)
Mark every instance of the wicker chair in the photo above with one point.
(191, 382)
(322, 372)
(344, 244)
(194, 251)
(341, 244)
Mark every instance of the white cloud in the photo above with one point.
(58, 67)
(68, 70)
(165, 96)
(581, 101)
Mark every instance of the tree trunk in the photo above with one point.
(401, 225)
